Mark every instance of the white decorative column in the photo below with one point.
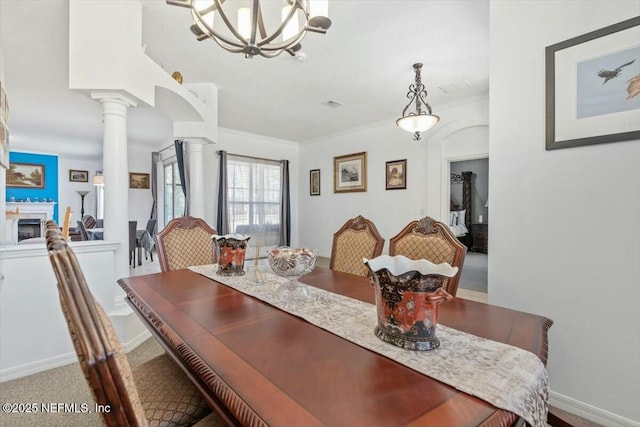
(195, 147)
(115, 169)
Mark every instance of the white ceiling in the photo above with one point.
(364, 62)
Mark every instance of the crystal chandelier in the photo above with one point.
(265, 28)
(419, 120)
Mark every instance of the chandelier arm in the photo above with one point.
(422, 95)
(292, 11)
(260, 21)
(412, 95)
(230, 26)
(256, 20)
(211, 33)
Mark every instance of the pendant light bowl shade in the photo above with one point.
(419, 120)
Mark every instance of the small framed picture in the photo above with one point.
(139, 180)
(396, 175)
(78, 176)
(350, 173)
(314, 182)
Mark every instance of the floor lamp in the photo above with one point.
(82, 194)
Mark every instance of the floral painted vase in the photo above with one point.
(407, 295)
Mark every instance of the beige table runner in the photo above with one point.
(505, 376)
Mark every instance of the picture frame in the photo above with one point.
(140, 181)
(4, 146)
(25, 175)
(396, 175)
(78, 175)
(350, 173)
(314, 182)
(593, 87)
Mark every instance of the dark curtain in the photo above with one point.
(222, 224)
(155, 157)
(181, 170)
(285, 205)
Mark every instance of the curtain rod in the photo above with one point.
(250, 157)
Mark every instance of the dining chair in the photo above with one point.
(431, 240)
(84, 234)
(89, 221)
(66, 223)
(155, 393)
(133, 225)
(358, 238)
(149, 244)
(185, 241)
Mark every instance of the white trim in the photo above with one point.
(80, 247)
(61, 360)
(589, 412)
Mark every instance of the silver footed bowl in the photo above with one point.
(292, 263)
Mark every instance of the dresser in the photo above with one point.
(479, 237)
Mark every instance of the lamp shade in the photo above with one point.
(98, 180)
(418, 122)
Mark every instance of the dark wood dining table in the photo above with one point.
(257, 365)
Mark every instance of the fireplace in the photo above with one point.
(29, 228)
(28, 219)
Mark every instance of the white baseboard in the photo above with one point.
(136, 341)
(37, 366)
(61, 360)
(589, 412)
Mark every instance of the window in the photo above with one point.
(254, 193)
(174, 200)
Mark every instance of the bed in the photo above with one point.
(460, 215)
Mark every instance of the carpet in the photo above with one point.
(474, 272)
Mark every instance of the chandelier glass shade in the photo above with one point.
(419, 120)
(254, 27)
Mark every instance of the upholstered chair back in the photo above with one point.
(100, 354)
(160, 395)
(184, 242)
(431, 240)
(358, 238)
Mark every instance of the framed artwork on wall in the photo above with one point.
(350, 173)
(4, 146)
(593, 87)
(139, 180)
(25, 175)
(78, 176)
(314, 182)
(396, 175)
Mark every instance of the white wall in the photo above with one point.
(390, 210)
(140, 200)
(565, 231)
(67, 195)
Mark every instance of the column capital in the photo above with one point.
(196, 144)
(114, 97)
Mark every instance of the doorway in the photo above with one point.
(474, 275)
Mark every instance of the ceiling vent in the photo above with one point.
(332, 104)
(454, 87)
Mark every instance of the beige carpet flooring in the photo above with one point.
(64, 385)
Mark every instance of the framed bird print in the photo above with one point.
(593, 87)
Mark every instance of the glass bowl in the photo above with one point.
(292, 263)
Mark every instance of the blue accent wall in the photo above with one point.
(50, 190)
